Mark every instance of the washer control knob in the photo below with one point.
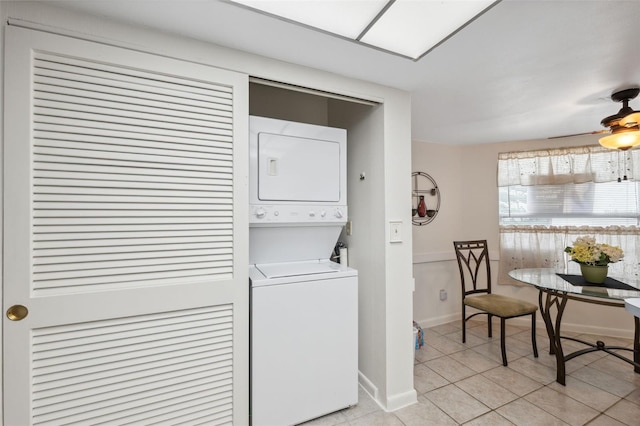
(323, 213)
(276, 213)
(260, 213)
(312, 214)
(338, 213)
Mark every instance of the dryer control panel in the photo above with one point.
(282, 213)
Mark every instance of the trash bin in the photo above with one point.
(418, 336)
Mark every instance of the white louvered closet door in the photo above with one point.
(125, 237)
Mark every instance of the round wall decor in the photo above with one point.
(425, 198)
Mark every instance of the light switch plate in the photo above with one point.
(395, 232)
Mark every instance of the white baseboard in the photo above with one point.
(394, 402)
(432, 322)
(399, 401)
(368, 386)
(526, 322)
(578, 328)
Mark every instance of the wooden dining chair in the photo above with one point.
(475, 276)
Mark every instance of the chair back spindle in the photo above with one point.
(474, 266)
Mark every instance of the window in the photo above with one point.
(582, 204)
(549, 198)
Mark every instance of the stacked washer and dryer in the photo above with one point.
(304, 307)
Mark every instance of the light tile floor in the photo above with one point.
(467, 384)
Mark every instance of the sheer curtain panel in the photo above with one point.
(548, 198)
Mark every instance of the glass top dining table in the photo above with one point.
(555, 290)
(549, 279)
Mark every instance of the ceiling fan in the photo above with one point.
(623, 128)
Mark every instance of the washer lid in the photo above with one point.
(293, 269)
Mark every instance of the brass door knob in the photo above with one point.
(17, 312)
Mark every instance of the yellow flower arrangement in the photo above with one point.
(586, 251)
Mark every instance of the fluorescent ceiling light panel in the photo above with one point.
(407, 27)
(412, 27)
(347, 18)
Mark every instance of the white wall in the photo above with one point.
(466, 176)
(432, 243)
(386, 351)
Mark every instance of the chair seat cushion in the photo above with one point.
(501, 306)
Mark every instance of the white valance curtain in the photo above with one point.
(532, 246)
(567, 165)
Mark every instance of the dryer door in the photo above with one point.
(296, 169)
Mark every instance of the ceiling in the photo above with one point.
(526, 69)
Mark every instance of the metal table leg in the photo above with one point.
(636, 345)
(559, 300)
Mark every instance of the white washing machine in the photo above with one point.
(304, 308)
(304, 346)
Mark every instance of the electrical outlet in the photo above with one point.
(443, 294)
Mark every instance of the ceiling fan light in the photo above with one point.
(622, 140)
(630, 120)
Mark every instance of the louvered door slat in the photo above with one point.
(72, 69)
(156, 232)
(45, 273)
(92, 144)
(83, 184)
(210, 199)
(73, 276)
(153, 129)
(128, 173)
(124, 220)
(216, 228)
(94, 103)
(59, 383)
(105, 136)
(106, 329)
(211, 417)
(52, 189)
(60, 262)
(116, 111)
(128, 405)
(65, 127)
(134, 388)
(127, 85)
(127, 279)
(126, 159)
(199, 86)
(97, 241)
(149, 144)
(70, 352)
(87, 371)
(133, 250)
(146, 211)
(67, 397)
(77, 95)
(89, 117)
(126, 342)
